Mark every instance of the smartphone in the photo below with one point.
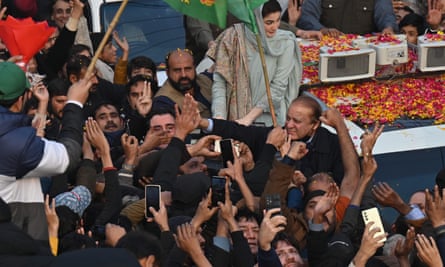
(273, 201)
(152, 199)
(226, 151)
(373, 215)
(218, 190)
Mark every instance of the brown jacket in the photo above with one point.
(279, 179)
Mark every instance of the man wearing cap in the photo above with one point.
(29, 156)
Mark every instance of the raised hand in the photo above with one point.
(326, 203)
(294, 12)
(369, 245)
(269, 227)
(297, 150)
(434, 16)
(276, 137)
(96, 137)
(122, 43)
(204, 211)
(144, 103)
(160, 217)
(131, 147)
(404, 247)
(369, 139)
(427, 251)
(435, 207)
(203, 147)
(188, 119)
(51, 217)
(386, 196)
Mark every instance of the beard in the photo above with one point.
(183, 87)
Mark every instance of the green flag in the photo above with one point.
(212, 11)
(215, 11)
(243, 10)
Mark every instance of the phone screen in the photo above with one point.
(226, 151)
(218, 190)
(152, 198)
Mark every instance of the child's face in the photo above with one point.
(411, 33)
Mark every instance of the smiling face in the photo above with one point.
(271, 23)
(61, 13)
(300, 121)
(108, 119)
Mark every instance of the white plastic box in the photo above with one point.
(390, 53)
(431, 54)
(346, 65)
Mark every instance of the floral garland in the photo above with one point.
(383, 101)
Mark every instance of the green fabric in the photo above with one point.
(13, 81)
(215, 11)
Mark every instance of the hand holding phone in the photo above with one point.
(218, 190)
(273, 201)
(373, 215)
(152, 199)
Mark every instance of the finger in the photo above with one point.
(436, 194)
(47, 203)
(227, 191)
(53, 206)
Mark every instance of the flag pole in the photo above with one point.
(106, 36)
(263, 64)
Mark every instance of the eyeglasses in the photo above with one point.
(179, 51)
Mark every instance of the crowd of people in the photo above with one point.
(81, 147)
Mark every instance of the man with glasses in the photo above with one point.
(52, 57)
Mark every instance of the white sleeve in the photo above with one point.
(54, 161)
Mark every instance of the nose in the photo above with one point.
(249, 234)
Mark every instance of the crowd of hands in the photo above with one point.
(187, 235)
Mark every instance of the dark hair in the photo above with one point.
(103, 103)
(281, 236)
(269, 7)
(53, 2)
(77, 48)
(58, 86)
(96, 39)
(159, 111)
(74, 241)
(415, 20)
(248, 215)
(75, 65)
(68, 220)
(141, 244)
(310, 103)
(141, 62)
(138, 78)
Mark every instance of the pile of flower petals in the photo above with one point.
(387, 101)
(439, 36)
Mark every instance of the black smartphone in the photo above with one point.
(226, 151)
(218, 190)
(152, 199)
(298, 3)
(273, 201)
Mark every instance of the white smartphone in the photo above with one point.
(373, 215)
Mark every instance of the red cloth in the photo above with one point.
(25, 36)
